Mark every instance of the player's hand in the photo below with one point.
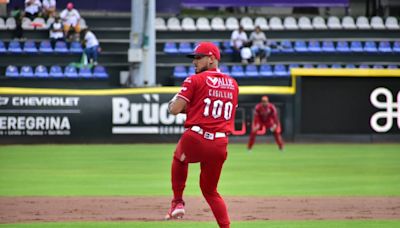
(273, 128)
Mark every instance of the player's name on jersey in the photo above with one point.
(220, 94)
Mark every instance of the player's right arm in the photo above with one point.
(176, 105)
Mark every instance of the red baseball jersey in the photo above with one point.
(212, 99)
(267, 114)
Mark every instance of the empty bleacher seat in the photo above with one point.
(305, 23)
(12, 71)
(231, 23)
(160, 24)
(384, 46)
(336, 66)
(334, 23)
(2, 47)
(378, 66)
(56, 71)
(203, 24)
(11, 23)
(27, 24)
(191, 71)
(377, 23)
(396, 46)
(100, 72)
(85, 72)
(275, 23)
(185, 48)
(14, 47)
(41, 71)
(286, 46)
(251, 71)
(247, 23)
(75, 47)
(226, 46)
(392, 23)
(356, 46)
(290, 23)
(322, 66)
(266, 70)
(348, 22)
(30, 47)
(362, 23)
(364, 66)
(45, 46)
(300, 46)
(224, 69)
(350, 66)
(70, 72)
(262, 22)
(170, 47)
(292, 65)
(2, 24)
(308, 66)
(342, 46)
(82, 23)
(280, 70)
(237, 71)
(26, 71)
(180, 72)
(392, 67)
(174, 24)
(328, 46)
(370, 46)
(314, 46)
(188, 24)
(218, 24)
(318, 22)
(60, 47)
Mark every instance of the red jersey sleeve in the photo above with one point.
(187, 89)
(274, 114)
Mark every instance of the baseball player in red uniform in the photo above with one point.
(209, 98)
(265, 114)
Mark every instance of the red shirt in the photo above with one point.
(267, 114)
(212, 99)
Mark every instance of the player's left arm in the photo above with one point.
(275, 118)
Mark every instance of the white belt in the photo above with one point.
(208, 135)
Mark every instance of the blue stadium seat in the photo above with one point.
(364, 66)
(191, 71)
(56, 71)
(237, 71)
(85, 72)
(170, 47)
(280, 70)
(180, 72)
(396, 46)
(100, 72)
(300, 46)
(274, 46)
(266, 70)
(12, 71)
(356, 46)
(392, 67)
(70, 72)
(336, 66)
(322, 66)
(293, 65)
(2, 47)
(45, 46)
(308, 66)
(26, 71)
(328, 46)
(286, 46)
(216, 43)
(378, 66)
(384, 46)
(61, 47)
(314, 46)
(370, 46)
(224, 69)
(185, 48)
(14, 47)
(30, 47)
(75, 47)
(41, 71)
(226, 46)
(251, 71)
(342, 46)
(350, 66)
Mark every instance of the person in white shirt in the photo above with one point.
(32, 8)
(56, 31)
(70, 17)
(49, 8)
(238, 40)
(91, 46)
(259, 46)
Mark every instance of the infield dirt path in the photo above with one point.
(46, 209)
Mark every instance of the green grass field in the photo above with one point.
(143, 170)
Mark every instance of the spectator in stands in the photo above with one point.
(91, 45)
(238, 40)
(56, 31)
(32, 8)
(17, 14)
(70, 17)
(49, 8)
(259, 48)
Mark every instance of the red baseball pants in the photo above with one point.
(277, 135)
(193, 148)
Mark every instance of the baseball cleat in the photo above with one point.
(177, 211)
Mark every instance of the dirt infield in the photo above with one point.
(46, 209)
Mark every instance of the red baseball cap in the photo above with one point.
(206, 49)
